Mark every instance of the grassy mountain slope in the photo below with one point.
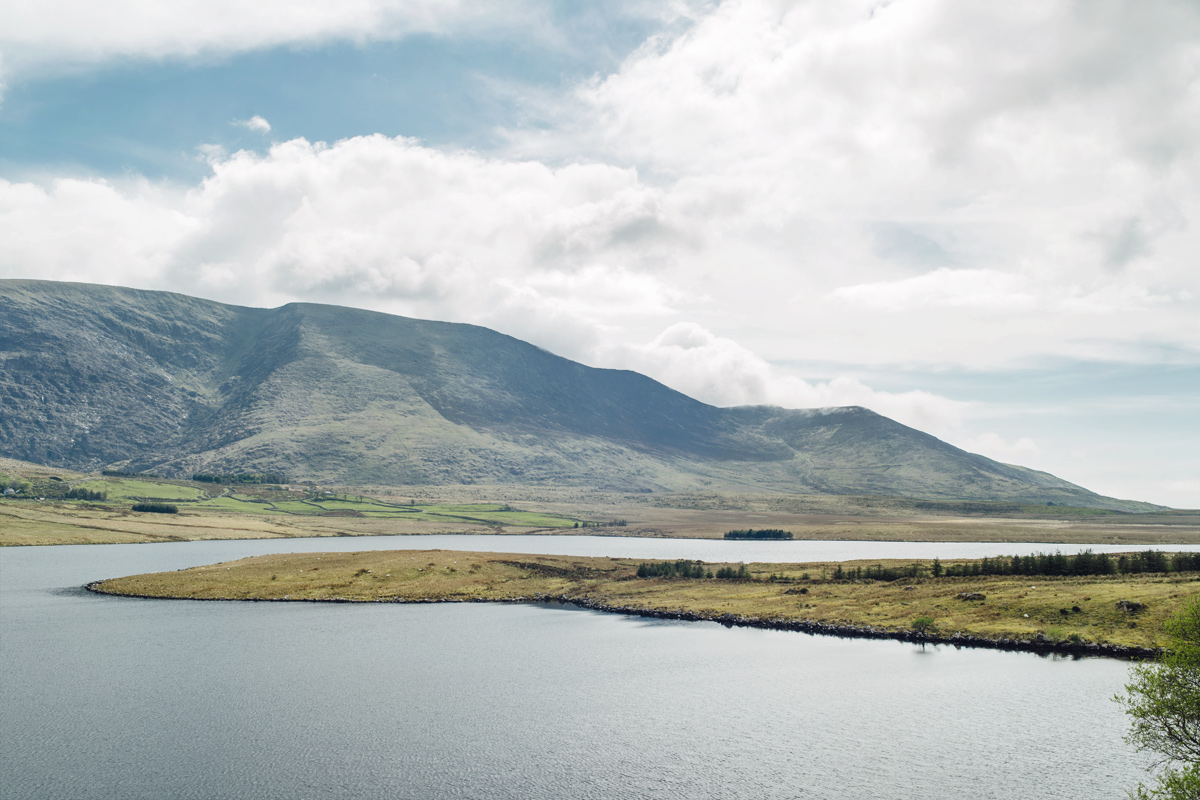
(97, 376)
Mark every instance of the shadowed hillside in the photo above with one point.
(97, 376)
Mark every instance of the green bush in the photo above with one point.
(1162, 701)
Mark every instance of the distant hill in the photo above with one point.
(102, 377)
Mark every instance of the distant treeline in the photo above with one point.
(1038, 564)
(84, 494)
(615, 523)
(1085, 563)
(692, 569)
(765, 533)
(240, 477)
(120, 473)
(156, 508)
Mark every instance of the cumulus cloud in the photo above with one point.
(1036, 161)
(720, 371)
(367, 221)
(91, 230)
(256, 123)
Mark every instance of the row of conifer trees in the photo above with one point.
(1038, 564)
(692, 569)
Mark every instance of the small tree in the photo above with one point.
(923, 624)
(1163, 702)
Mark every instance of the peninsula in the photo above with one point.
(1113, 614)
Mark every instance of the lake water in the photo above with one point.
(104, 697)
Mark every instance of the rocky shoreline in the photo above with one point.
(1040, 646)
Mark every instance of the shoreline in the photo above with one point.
(1037, 646)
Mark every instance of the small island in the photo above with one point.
(1117, 609)
(764, 533)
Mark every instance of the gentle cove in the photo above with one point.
(109, 697)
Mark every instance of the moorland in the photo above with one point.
(44, 514)
(1121, 609)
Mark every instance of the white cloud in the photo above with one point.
(981, 289)
(718, 370)
(90, 230)
(368, 221)
(1034, 161)
(55, 33)
(988, 290)
(256, 123)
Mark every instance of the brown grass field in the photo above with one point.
(1020, 608)
(62, 522)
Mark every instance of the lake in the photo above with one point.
(106, 697)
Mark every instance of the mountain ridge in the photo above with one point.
(96, 376)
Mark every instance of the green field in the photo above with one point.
(240, 504)
(133, 489)
(274, 500)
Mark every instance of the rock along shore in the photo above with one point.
(1041, 645)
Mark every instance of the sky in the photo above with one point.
(976, 218)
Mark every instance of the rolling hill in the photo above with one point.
(103, 377)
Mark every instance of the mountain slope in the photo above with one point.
(95, 376)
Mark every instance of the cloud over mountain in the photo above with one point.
(936, 184)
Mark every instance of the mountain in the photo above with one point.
(103, 377)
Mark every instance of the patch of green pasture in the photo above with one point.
(132, 488)
(297, 507)
(352, 505)
(237, 504)
(462, 508)
(526, 519)
(529, 519)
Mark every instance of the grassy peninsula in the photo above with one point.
(1124, 610)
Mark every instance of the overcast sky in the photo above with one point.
(977, 218)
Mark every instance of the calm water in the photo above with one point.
(118, 698)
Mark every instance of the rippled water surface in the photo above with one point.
(118, 698)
